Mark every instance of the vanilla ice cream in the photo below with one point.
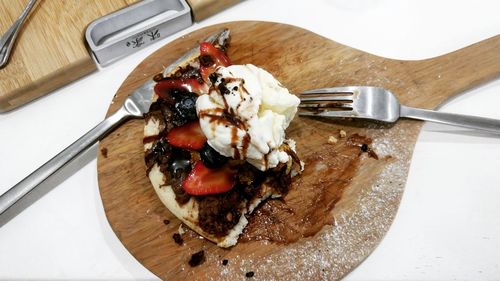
(245, 115)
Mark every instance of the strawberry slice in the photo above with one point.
(204, 181)
(217, 55)
(188, 136)
(164, 87)
(210, 59)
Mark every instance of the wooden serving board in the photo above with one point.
(50, 50)
(369, 190)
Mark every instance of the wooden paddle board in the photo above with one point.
(358, 194)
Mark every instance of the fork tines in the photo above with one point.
(317, 102)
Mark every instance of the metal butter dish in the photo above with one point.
(128, 30)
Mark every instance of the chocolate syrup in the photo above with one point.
(227, 117)
(308, 206)
(149, 139)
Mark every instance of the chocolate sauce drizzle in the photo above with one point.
(227, 115)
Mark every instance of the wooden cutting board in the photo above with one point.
(366, 191)
(50, 50)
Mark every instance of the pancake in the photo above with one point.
(218, 216)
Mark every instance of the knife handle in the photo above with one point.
(25, 186)
(202, 9)
(460, 120)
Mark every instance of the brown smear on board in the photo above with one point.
(307, 208)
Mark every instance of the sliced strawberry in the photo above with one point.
(164, 87)
(217, 55)
(210, 59)
(188, 136)
(204, 181)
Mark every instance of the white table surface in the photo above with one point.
(448, 224)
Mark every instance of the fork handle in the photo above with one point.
(9, 37)
(18, 191)
(460, 120)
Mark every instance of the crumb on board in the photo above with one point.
(364, 147)
(197, 258)
(224, 262)
(166, 222)
(181, 230)
(249, 274)
(104, 152)
(342, 134)
(178, 239)
(332, 140)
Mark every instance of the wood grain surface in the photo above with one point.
(50, 49)
(371, 189)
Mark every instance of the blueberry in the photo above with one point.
(211, 158)
(185, 107)
(180, 162)
(179, 167)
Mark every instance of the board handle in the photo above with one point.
(442, 77)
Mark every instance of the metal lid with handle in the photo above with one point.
(128, 30)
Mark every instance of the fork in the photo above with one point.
(374, 103)
(135, 106)
(9, 37)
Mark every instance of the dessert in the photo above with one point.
(214, 141)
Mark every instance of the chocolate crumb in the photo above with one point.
(206, 60)
(104, 152)
(197, 258)
(249, 274)
(158, 77)
(213, 77)
(178, 239)
(166, 222)
(364, 147)
(372, 154)
(224, 262)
